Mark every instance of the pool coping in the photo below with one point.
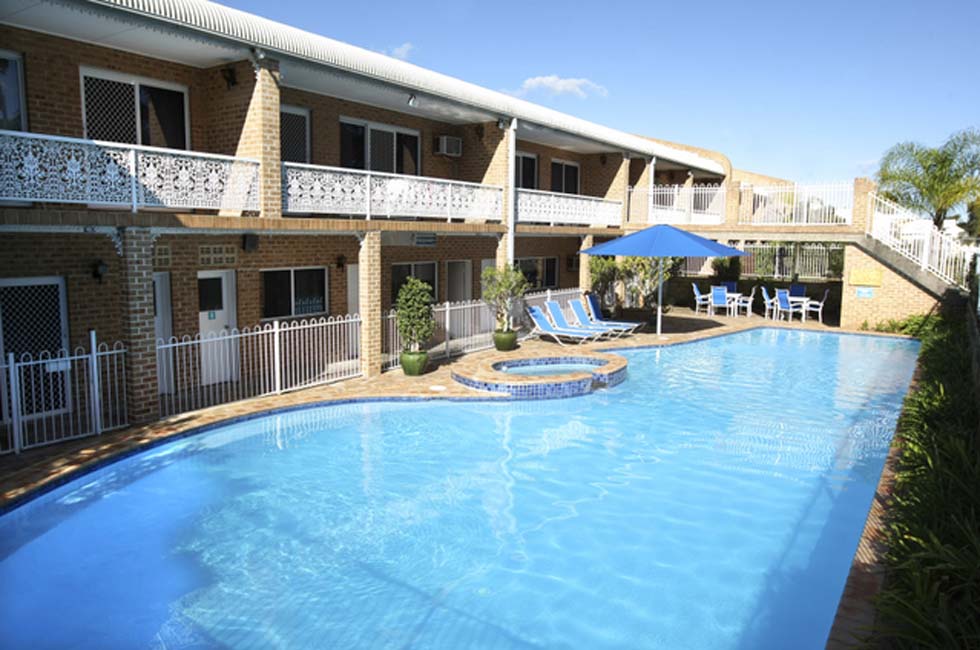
(855, 612)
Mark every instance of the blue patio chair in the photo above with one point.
(719, 300)
(558, 318)
(784, 306)
(815, 307)
(769, 302)
(797, 290)
(746, 303)
(731, 286)
(596, 309)
(543, 328)
(700, 299)
(584, 319)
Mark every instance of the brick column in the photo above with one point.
(733, 196)
(369, 301)
(502, 249)
(138, 325)
(863, 187)
(584, 277)
(260, 136)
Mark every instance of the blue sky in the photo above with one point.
(808, 92)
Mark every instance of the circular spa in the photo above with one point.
(678, 510)
(549, 366)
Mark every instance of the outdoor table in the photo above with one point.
(733, 296)
(800, 300)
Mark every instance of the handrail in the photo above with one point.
(368, 172)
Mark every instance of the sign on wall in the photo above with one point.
(865, 277)
(865, 292)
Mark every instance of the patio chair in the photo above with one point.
(784, 306)
(558, 318)
(582, 314)
(815, 307)
(719, 299)
(731, 285)
(797, 290)
(746, 303)
(596, 309)
(543, 328)
(770, 304)
(700, 299)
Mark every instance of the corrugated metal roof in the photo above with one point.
(275, 37)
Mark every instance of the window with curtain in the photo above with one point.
(294, 292)
(13, 111)
(380, 148)
(424, 271)
(122, 108)
(564, 177)
(526, 171)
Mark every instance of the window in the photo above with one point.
(564, 177)
(13, 113)
(294, 134)
(526, 171)
(379, 147)
(424, 271)
(294, 292)
(541, 272)
(122, 108)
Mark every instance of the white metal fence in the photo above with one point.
(53, 396)
(461, 327)
(811, 261)
(679, 204)
(829, 204)
(37, 167)
(917, 238)
(536, 206)
(196, 372)
(335, 190)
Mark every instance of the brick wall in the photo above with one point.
(446, 249)
(896, 298)
(91, 304)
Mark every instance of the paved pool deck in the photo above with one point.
(39, 469)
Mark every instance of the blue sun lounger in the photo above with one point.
(582, 314)
(596, 310)
(558, 318)
(543, 328)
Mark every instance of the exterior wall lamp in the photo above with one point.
(99, 269)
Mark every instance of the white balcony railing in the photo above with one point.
(678, 204)
(56, 169)
(535, 206)
(314, 189)
(915, 236)
(799, 205)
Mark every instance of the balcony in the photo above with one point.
(554, 208)
(679, 204)
(313, 189)
(799, 205)
(44, 168)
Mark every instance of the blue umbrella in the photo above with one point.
(663, 241)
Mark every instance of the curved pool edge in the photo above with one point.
(490, 375)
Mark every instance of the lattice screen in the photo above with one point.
(293, 131)
(110, 110)
(30, 319)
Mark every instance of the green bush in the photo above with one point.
(931, 597)
(414, 314)
(503, 288)
(604, 273)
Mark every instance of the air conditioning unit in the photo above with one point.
(424, 239)
(449, 145)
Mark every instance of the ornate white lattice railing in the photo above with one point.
(334, 190)
(679, 204)
(535, 206)
(56, 169)
(917, 238)
(799, 205)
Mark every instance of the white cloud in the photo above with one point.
(402, 51)
(555, 85)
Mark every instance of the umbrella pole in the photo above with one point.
(660, 295)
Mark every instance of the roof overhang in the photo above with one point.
(204, 34)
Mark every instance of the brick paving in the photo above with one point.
(41, 468)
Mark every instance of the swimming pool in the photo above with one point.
(713, 500)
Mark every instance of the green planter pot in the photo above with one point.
(505, 341)
(413, 363)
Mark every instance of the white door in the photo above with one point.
(460, 274)
(163, 329)
(353, 287)
(217, 317)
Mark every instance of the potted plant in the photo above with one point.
(502, 289)
(415, 324)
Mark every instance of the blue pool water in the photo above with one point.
(713, 500)
(546, 370)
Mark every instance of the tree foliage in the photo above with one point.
(503, 288)
(414, 314)
(934, 180)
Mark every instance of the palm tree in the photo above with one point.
(934, 180)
